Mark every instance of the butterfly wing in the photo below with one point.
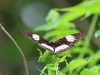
(67, 42)
(39, 40)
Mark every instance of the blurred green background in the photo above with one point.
(17, 15)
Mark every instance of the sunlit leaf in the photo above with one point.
(51, 66)
(76, 63)
(97, 33)
(88, 72)
(61, 73)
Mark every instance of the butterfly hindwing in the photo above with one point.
(39, 40)
(67, 42)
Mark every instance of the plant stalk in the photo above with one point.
(89, 35)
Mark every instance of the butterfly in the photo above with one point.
(59, 46)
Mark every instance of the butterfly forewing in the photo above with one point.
(67, 42)
(59, 46)
(39, 40)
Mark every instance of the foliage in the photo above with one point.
(60, 25)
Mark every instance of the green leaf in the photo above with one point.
(76, 63)
(88, 72)
(94, 58)
(40, 52)
(88, 13)
(89, 7)
(51, 66)
(49, 34)
(61, 73)
(63, 59)
(86, 8)
(97, 33)
(42, 57)
(99, 69)
(46, 27)
(52, 16)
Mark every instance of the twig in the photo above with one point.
(24, 59)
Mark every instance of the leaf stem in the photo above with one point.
(24, 59)
(89, 35)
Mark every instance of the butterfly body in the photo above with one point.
(59, 46)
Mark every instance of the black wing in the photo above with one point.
(39, 40)
(67, 42)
